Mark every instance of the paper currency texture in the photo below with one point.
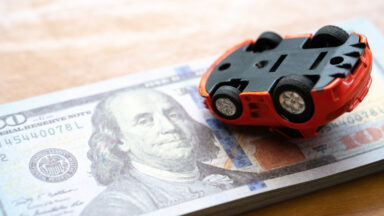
(145, 144)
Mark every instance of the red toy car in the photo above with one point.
(295, 84)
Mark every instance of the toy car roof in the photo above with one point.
(258, 71)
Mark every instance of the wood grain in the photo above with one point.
(47, 46)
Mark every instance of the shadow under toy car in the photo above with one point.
(295, 84)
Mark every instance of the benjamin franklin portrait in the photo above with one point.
(149, 154)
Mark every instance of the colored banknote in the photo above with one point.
(145, 144)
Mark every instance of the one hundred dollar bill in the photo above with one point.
(145, 144)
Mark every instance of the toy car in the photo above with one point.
(294, 85)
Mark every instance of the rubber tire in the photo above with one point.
(267, 41)
(232, 94)
(301, 85)
(329, 36)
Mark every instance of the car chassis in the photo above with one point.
(294, 85)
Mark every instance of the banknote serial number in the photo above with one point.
(354, 118)
(42, 133)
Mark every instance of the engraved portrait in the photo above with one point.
(149, 154)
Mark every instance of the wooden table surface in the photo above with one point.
(47, 46)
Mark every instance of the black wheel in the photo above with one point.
(226, 102)
(267, 41)
(292, 98)
(329, 36)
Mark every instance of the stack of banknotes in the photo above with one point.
(145, 144)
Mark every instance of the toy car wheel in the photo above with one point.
(292, 98)
(266, 41)
(226, 102)
(329, 36)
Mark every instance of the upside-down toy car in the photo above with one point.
(294, 85)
